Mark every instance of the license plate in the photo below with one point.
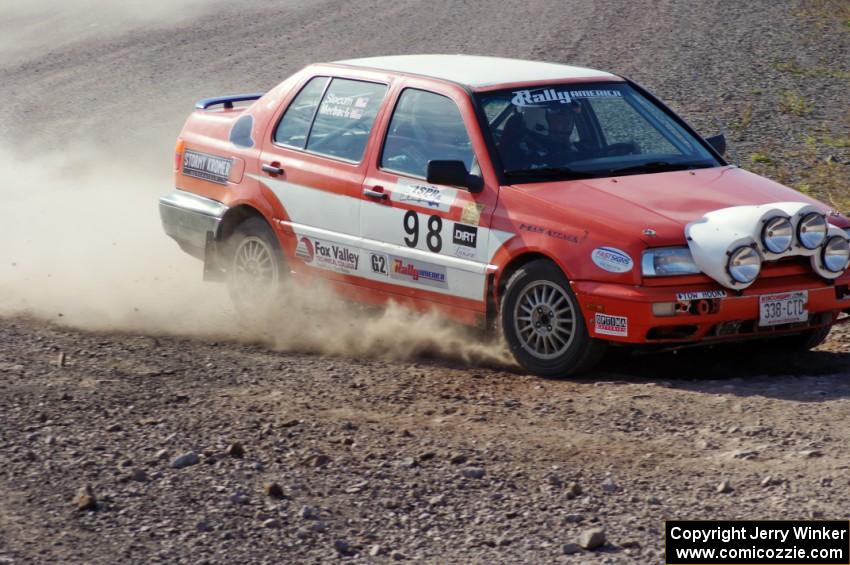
(784, 308)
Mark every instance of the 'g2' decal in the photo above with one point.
(379, 263)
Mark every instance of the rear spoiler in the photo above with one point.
(226, 100)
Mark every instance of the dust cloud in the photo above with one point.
(82, 245)
(25, 24)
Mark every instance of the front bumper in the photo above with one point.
(187, 218)
(736, 316)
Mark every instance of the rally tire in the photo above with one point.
(804, 341)
(256, 269)
(543, 324)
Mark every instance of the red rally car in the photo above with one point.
(567, 206)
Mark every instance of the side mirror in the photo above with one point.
(453, 173)
(718, 142)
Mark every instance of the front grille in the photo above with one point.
(787, 267)
(751, 327)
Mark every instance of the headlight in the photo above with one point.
(668, 261)
(811, 231)
(744, 264)
(836, 254)
(777, 235)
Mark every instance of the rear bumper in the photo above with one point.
(734, 317)
(187, 218)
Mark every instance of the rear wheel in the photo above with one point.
(543, 325)
(255, 269)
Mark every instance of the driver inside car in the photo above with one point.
(544, 145)
(561, 119)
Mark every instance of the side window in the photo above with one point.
(293, 129)
(425, 127)
(345, 117)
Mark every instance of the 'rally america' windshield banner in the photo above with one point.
(540, 96)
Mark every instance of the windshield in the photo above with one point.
(586, 130)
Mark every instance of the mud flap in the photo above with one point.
(213, 268)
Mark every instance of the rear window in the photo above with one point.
(344, 119)
(293, 129)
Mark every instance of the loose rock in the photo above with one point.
(274, 490)
(724, 487)
(236, 450)
(593, 538)
(318, 460)
(342, 547)
(186, 460)
(473, 473)
(85, 499)
(609, 486)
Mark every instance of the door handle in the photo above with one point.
(272, 169)
(376, 192)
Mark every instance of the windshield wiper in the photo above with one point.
(549, 172)
(659, 167)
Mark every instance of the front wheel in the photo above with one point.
(543, 325)
(800, 342)
(255, 269)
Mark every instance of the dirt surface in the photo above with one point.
(422, 460)
(427, 457)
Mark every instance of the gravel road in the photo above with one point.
(155, 442)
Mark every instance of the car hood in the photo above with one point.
(662, 202)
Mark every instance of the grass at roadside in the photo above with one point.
(827, 12)
(818, 173)
(814, 154)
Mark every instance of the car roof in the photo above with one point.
(476, 71)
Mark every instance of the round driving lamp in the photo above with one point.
(777, 235)
(744, 264)
(811, 231)
(836, 254)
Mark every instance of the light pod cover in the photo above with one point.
(817, 258)
(716, 236)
